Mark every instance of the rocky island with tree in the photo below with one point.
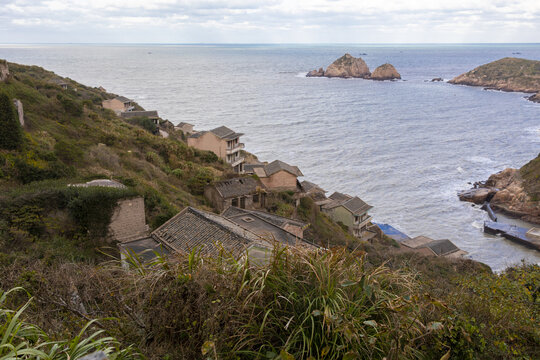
(507, 74)
(349, 66)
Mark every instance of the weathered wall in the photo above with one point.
(210, 142)
(341, 214)
(186, 128)
(280, 181)
(19, 106)
(113, 104)
(128, 220)
(296, 230)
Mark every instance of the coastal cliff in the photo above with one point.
(349, 66)
(507, 74)
(515, 192)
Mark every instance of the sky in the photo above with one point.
(270, 21)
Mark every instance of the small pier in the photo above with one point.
(514, 233)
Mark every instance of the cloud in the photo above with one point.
(264, 21)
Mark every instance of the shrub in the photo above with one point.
(144, 123)
(71, 107)
(11, 137)
(67, 152)
(203, 177)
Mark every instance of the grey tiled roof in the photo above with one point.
(131, 114)
(123, 99)
(224, 132)
(248, 168)
(278, 165)
(442, 247)
(236, 187)
(205, 232)
(272, 218)
(354, 204)
(197, 134)
(309, 186)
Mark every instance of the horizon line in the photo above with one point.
(269, 43)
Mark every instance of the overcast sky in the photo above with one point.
(270, 21)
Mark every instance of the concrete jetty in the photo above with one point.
(514, 233)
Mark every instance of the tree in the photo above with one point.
(11, 136)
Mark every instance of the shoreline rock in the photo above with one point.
(507, 74)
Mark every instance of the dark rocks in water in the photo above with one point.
(316, 73)
(477, 196)
(535, 98)
(436, 79)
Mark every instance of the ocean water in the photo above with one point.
(405, 147)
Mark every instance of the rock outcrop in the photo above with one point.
(20, 111)
(508, 74)
(348, 66)
(4, 70)
(535, 97)
(385, 72)
(512, 191)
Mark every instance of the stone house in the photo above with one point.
(185, 127)
(246, 193)
(315, 192)
(223, 142)
(118, 105)
(350, 211)
(279, 176)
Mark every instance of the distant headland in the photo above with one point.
(348, 66)
(507, 74)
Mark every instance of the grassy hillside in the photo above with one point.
(345, 303)
(530, 173)
(509, 74)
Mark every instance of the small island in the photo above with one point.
(507, 74)
(349, 66)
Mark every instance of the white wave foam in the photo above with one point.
(460, 170)
(480, 160)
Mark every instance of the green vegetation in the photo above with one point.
(531, 176)
(10, 129)
(145, 123)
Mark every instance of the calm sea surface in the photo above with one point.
(405, 147)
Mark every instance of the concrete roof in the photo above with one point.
(145, 248)
(417, 242)
(236, 187)
(208, 233)
(152, 114)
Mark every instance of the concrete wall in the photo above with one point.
(210, 142)
(128, 220)
(213, 196)
(113, 104)
(280, 181)
(186, 128)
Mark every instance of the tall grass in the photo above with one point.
(22, 340)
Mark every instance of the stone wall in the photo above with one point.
(19, 106)
(128, 221)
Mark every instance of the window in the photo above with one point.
(256, 198)
(235, 202)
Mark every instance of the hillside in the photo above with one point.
(358, 301)
(507, 74)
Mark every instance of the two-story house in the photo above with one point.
(223, 142)
(279, 176)
(350, 211)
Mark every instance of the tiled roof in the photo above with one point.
(237, 187)
(250, 168)
(197, 134)
(206, 232)
(354, 204)
(123, 99)
(309, 186)
(442, 247)
(224, 132)
(131, 114)
(272, 218)
(278, 165)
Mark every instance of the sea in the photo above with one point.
(406, 147)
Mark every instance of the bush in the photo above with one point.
(67, 152)
(71, 107)
(11, 137)
(144, 123)
(203, 177)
